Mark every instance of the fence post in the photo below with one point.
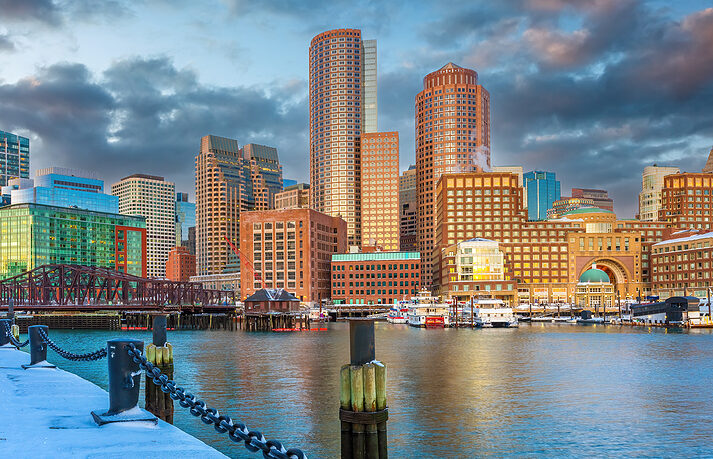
(124, 383)
(160, 353)
(5, 324)
(38, 348)
(363, 409)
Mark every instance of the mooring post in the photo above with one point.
(5, 324)
(160, 353)
(363, 411)
(38, 348)
(124, 384)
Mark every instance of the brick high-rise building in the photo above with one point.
(650, 195)
(342, 106)
(181, 265)
(452, 135)
(290, 249)
(380, 190)
(687, 200)
(151, 197)
(408, 210)
(293, 197)
(229, 181)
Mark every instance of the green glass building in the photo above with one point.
(33, 235)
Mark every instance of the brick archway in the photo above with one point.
(617, 272)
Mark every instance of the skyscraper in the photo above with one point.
(185, 218)
(452, 135)
(342, 105)
(151, 197)
(408, 210)
(542, 190)
(650, 195)
(14, 157)
(229, 181)
(380, 189)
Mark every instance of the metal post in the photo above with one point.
(361, 341)
(159, 330)
(124, 383)
(38, 348)
(5, 324)
(11, 309)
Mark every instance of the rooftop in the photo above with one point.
(588, 210)
(376, 256)
(144, 176)
(695, 237)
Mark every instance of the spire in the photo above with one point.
(708, 168)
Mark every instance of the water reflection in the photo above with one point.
(541, 389)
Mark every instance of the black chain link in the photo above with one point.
(88, 357)
(16, 343)
(237, 431)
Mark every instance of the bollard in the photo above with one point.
(38, 348)
(4, 337)
(363, 411)
(159, 330)
(124, 384)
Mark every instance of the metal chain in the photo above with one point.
(13, 341)
(88, 357)
(237, 431)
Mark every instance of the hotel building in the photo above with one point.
(650, 202)
(375, 277)
(683, 264)
(342, 106)
(452, 135)
(153, 198)
(229, 181)
(14, 157)
(290, 249)
(380, 190)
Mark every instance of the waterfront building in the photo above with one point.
(594, 290)
(452, 135)
(683, 264)
(567, 204)
(290, 249)
(185, 218)
(61, 187)
(375, 277)
(342, 106)
(229, 181)
(272, 300)
(181, 265)
(14, 157)
(33, 235)
(542, 190)
(408, 210)
(686, 200)
(293, 197)
(151, 197)
(473, 268)
(544, 258)
(380, 190)
(600, 197)
(229, 281)
(651, 187)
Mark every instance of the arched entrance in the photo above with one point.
(617, 272)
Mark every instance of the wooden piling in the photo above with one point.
(357, 399)
(158, 402)
(380, 378)
(345, 403)
(370, 433)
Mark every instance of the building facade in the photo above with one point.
(14, 157)
(33, 235)
(683, 264)
(380, 190)
(542, 190)
(342, 106)
(408, 210)
(293, 197)
(452, 135)
(568, 204)
(600, 197)
(153, 198)
(229, 181)
(181, 265)
(686, 200)
(61, 187)
(375, 277)
(650, 195)
(185, 218)
(290, 249)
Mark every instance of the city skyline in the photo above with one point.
(573, 88)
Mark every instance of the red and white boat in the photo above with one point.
(426, 311)
(398, 313)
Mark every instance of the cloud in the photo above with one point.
(6, 44)
(57, 13)
(45, 11)
(145, 115)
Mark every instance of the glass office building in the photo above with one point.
(185, 217)
(60, 187)
(542, 191)
(14, 157)
(33, 235)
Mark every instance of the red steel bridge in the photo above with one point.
(90, 288)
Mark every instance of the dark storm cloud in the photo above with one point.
(56, 13)
(145, 115)
(27, 10)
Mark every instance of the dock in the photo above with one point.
(46, 413)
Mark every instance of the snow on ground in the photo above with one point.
(47, 413)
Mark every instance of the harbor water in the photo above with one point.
(538, 390)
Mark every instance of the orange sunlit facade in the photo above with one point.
(380, 190)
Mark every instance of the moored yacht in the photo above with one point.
(425, 310)
(398, 313)
(494, 313)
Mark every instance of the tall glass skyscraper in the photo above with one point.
(14, 157)
(542, 191)
(342, 106)
(185, 217)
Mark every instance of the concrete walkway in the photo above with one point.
(46, 413)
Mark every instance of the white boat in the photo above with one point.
(493, 313)
(398, 313)
(425, 310)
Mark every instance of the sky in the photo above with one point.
(594, 90)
